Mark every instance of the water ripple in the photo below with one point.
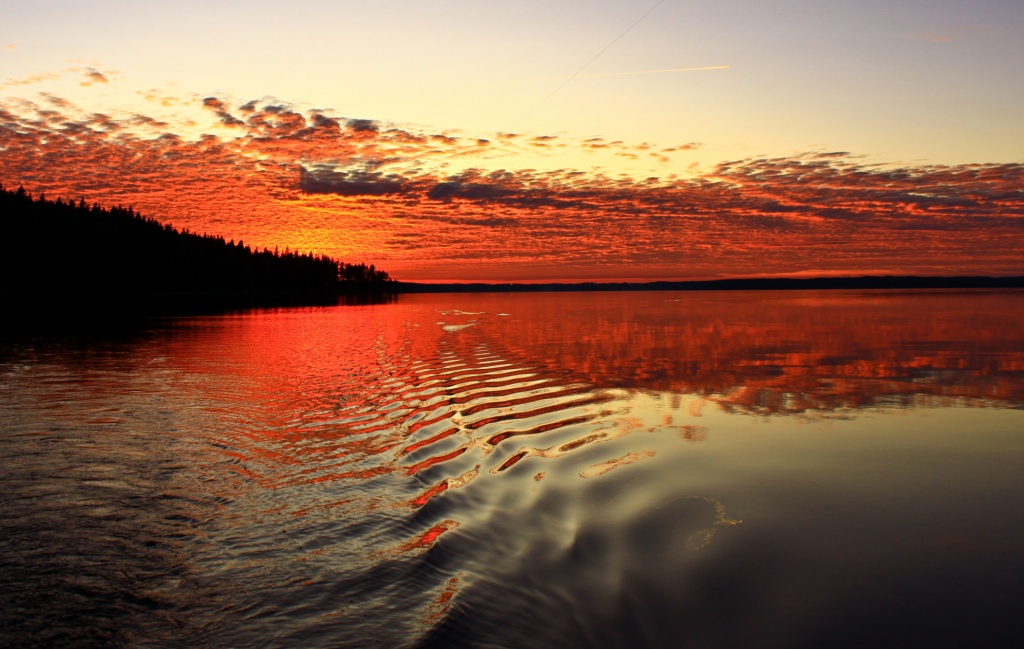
(398, 476)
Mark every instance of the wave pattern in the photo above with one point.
(356, 463)
(413, 475)
(471, 406)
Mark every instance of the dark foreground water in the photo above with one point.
(795, 469)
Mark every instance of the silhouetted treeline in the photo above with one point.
(61, 253)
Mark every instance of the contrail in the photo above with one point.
(626, 74)
(593, 58)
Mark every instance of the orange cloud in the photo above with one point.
(93, 76)
(34, 78)
(404, 199)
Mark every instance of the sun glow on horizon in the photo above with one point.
(456, 153)
(421, 203)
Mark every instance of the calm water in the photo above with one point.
(805, 469)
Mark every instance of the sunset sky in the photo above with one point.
(564, 140)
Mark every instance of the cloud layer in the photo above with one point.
(445, 205)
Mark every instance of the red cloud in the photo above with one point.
(364, 191)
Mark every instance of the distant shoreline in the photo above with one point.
(113, 312)
(758, 284)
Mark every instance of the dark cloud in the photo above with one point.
(283, 176)
(276, 122)
(523, 190)
(221, 110)
(319, 120)
(319, 180)
(363, 126)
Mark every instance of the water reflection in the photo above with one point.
(782, 352)
(523, 470)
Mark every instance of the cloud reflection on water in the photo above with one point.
(572, 471)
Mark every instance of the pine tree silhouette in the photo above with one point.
(61, 253)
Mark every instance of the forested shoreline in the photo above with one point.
(60, 256)
(864, 282)
(62, 261)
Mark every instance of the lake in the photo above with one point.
(662, 469)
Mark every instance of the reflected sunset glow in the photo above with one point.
(448, 388)
(421, 470)
(223, 425)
